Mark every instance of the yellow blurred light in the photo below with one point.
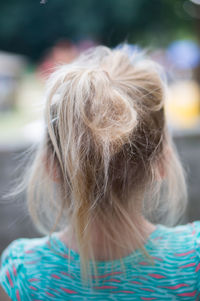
(183, 104)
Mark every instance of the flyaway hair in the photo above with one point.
(106, 157)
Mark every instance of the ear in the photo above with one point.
(161, 165)
(55, 174)
(161, 169)
(52, 168)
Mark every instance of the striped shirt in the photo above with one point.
(44, 269)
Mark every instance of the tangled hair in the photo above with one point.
(106, 157)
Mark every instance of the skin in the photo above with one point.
(69, 240)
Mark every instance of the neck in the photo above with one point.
(100, 241)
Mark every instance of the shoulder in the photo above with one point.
(23, 248)
(181, 245)
(192, 239)
(15, 261)
(181, 233)
(182, 238)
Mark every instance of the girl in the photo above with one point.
(104, 178)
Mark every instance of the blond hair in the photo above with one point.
(106, 152)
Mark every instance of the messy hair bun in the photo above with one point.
(105, 147)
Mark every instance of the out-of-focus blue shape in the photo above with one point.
(184, 54)
(196, 2)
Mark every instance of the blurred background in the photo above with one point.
(37, 35)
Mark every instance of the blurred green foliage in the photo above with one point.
(29, 27)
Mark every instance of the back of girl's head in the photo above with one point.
(106, 156)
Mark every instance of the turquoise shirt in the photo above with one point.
(42, 269)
